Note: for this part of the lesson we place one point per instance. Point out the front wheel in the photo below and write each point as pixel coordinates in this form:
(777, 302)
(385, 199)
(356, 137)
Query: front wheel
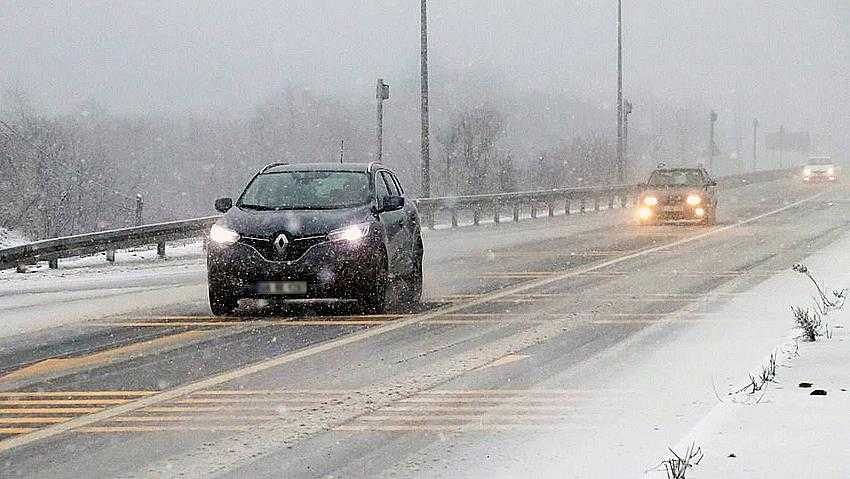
(222, 303)
(411, 296)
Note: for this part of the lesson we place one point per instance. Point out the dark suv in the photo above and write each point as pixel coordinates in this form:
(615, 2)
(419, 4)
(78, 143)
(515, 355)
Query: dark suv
(316, 232)
(678, 194)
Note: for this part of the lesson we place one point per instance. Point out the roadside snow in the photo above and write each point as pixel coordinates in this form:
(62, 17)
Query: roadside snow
(9, 238)
(789, 430)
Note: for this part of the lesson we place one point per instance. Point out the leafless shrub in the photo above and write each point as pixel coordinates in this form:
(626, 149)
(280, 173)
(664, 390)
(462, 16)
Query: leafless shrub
(810, 323)
(677, 466)
(760, 380)
(824, 303)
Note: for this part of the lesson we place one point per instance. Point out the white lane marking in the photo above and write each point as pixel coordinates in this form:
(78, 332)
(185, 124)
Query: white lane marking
(106, 414)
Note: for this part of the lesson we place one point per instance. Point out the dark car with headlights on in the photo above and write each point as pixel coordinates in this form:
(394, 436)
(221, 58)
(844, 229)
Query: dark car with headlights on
(680, 195)
(316, 232)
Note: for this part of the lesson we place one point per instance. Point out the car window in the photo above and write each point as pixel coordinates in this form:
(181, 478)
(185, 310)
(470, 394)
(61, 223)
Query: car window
(381, 190)
(397, 183)
(391, 185)
(676, 178)
(306, 190)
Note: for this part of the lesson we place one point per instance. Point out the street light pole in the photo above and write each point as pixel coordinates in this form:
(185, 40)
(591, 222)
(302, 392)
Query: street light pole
(711, 147)
(621, 167)
(382, 92)
(425, 159)
(755, 143)
(627, 110)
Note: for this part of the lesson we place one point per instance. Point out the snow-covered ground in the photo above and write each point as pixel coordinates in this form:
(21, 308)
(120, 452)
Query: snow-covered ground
(11, 238)
(789, 429)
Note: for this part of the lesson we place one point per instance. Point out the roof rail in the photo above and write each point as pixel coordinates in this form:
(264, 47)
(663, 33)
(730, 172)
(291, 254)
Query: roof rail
(270, 166)
(373, 165)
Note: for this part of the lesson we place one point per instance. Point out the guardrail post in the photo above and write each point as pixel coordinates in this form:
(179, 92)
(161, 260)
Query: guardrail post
(160, 249)
(110, 255)
(533, 210)
(611, 202)
(624, 200)
(582, 206)
(516, 213)
(551, 207)
(454, 217)
(595, 203)
(496, 213)
(53, 263)
(476, 215)
(567, 206)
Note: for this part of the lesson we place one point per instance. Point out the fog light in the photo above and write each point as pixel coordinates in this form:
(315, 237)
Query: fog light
(699, 212)
(644, 213)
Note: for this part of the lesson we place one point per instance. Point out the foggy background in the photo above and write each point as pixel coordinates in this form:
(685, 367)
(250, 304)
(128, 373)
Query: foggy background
(182, 101)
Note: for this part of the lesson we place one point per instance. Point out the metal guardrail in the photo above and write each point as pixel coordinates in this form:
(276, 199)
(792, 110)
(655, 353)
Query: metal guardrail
(431, 209)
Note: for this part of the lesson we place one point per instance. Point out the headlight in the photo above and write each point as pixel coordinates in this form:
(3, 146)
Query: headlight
(650, 201)
(350, 234)
(807, 171)
(830, 171)
(223, 235)
(694, 200)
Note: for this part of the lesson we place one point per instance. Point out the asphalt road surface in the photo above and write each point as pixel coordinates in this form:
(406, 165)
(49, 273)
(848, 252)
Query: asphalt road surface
(533, 355)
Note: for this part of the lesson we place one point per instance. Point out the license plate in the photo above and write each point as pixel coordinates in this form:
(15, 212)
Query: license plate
(673, 209)
(282, 287)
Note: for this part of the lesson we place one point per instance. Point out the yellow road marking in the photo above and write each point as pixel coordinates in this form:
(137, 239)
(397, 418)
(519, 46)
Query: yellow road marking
(195, 418)
(464, 417)
(289, 357)
(170, 409)
(59, 365)
(75, 393)
(32, 420)
(51, 410)
(510, 358)
(61, 402)
(277, 400)
(180, 428)
(16, 430)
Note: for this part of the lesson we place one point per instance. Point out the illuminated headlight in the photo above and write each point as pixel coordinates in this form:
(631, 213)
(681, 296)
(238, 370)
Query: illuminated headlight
(694, 200)
(807, 171)
(223, 235)
(650, 201)
(350, 234)
(644, 213)
(830, 171)
(699, 212)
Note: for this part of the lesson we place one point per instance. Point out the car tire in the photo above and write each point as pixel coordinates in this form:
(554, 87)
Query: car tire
(374, 301)
(411, 296)
(221, 302)
(711, 217)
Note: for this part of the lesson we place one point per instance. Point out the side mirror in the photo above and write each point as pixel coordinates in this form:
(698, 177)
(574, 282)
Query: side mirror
(393, 203)
(222, 205)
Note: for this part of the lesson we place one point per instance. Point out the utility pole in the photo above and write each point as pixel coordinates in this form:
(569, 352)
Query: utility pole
(425, 160)
(626, 112)
(621, 167)
(382, 93)
(755, 143)
(711, 145)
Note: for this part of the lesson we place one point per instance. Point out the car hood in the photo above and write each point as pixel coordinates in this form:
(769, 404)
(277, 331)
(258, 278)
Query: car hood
(295, 223)
(672, 190)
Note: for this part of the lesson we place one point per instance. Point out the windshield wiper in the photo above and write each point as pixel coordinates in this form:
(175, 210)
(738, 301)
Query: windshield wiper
(256, 207)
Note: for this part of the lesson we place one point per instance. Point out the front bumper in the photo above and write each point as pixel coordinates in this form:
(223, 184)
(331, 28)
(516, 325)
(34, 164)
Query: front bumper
(670, 213)
(332, 270)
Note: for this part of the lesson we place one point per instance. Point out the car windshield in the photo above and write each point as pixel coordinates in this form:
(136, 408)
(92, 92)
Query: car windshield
(297, 190)
(676, 178)
(820, 161)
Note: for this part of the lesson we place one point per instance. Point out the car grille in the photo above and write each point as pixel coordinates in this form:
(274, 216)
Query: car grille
(296, 248)
(673, 199)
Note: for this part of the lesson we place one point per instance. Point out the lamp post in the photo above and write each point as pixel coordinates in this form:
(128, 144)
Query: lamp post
(382, 92)
(621, 167)
(711, 145)
(425, 154)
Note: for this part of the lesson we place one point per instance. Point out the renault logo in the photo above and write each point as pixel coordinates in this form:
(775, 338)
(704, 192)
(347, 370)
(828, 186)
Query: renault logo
(280, 243)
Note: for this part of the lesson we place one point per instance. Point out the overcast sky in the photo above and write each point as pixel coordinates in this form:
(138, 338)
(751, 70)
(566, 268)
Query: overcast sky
(772, 58)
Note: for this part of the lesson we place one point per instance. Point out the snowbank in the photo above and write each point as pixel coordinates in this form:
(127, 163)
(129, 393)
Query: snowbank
(11, 238)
